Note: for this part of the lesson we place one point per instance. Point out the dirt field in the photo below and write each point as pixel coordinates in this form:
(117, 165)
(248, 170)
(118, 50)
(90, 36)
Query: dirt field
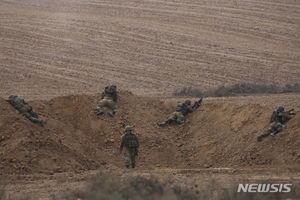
(54, 47)
(60, 54)
(218, 138)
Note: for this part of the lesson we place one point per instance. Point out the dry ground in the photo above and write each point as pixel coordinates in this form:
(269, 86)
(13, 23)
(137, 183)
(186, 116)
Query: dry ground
(57, 47)
(217, 143)
(50, 48)
(213, 180)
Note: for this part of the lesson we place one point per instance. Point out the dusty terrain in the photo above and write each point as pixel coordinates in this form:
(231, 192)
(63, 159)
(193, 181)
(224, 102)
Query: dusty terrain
(75, 139)
(60, 54)
(218, 138)
(58, 47)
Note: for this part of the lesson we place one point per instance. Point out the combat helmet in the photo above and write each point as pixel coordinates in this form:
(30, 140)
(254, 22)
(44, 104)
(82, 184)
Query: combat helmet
(112, 88)
(187, 102)
(128, 128)
(280, 109)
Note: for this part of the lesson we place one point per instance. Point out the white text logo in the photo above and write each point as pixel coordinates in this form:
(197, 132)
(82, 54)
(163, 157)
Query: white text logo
(264, 188)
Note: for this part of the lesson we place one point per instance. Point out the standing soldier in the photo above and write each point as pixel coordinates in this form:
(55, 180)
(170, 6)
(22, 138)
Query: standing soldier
(278, 119)
(108, 99)
(131, 143)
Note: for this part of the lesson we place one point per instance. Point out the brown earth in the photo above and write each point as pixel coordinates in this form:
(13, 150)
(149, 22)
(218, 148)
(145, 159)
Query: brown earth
(54, 47)
(217, 145)
(75, 139)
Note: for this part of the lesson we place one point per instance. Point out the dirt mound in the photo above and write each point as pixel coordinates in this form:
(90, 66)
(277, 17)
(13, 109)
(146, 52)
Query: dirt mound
(225, 135)
(29, 148)
(75, 139)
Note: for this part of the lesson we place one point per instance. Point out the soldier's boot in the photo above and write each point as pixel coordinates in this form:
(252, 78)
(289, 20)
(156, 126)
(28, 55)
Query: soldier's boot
(100, 112)
(162, 123)
(127, 162)
(133, 164)
(112, 113)
(40, 122)
(259, 138)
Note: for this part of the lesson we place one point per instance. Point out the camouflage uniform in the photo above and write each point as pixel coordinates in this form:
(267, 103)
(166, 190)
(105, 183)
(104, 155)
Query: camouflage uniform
(278, 118)
(24, 108)
(176, 116)
(181, 111)
(108, 99)
(131, 143)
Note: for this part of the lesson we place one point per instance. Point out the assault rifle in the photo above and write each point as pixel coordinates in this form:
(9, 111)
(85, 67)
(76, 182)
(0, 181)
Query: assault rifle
(291, 112)
(197, 104)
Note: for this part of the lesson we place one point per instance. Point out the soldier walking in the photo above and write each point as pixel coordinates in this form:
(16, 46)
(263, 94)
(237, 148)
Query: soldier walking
(130, 142)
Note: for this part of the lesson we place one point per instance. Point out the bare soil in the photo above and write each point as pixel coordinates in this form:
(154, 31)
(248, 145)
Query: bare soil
(217, 138)
(60, 54)
(53, 47)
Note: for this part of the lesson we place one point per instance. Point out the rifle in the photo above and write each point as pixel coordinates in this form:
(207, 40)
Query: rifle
(198, 103)
(291, 112)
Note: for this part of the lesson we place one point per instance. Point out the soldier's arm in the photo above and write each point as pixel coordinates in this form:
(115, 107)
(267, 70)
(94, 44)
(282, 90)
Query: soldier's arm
(102, 95)
(287, 115)
(137, 141)
(196, 105)
(115, 97)
(122, 143)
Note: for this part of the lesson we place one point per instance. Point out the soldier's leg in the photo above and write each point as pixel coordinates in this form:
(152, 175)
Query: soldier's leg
(171, 119)
(271, 131)
(259, 138)
(277, 127)
(127, 158)
(132, 157)
(40, 122)
(33, 114)
(179, 118)
(102, 103)
(34, 120)
(112, 106)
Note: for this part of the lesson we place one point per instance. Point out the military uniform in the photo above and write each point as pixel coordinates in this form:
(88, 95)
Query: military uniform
(278, 119)
(177, 116)
(131, 144)
(108, 99)
(24, 108)
(181, 111)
